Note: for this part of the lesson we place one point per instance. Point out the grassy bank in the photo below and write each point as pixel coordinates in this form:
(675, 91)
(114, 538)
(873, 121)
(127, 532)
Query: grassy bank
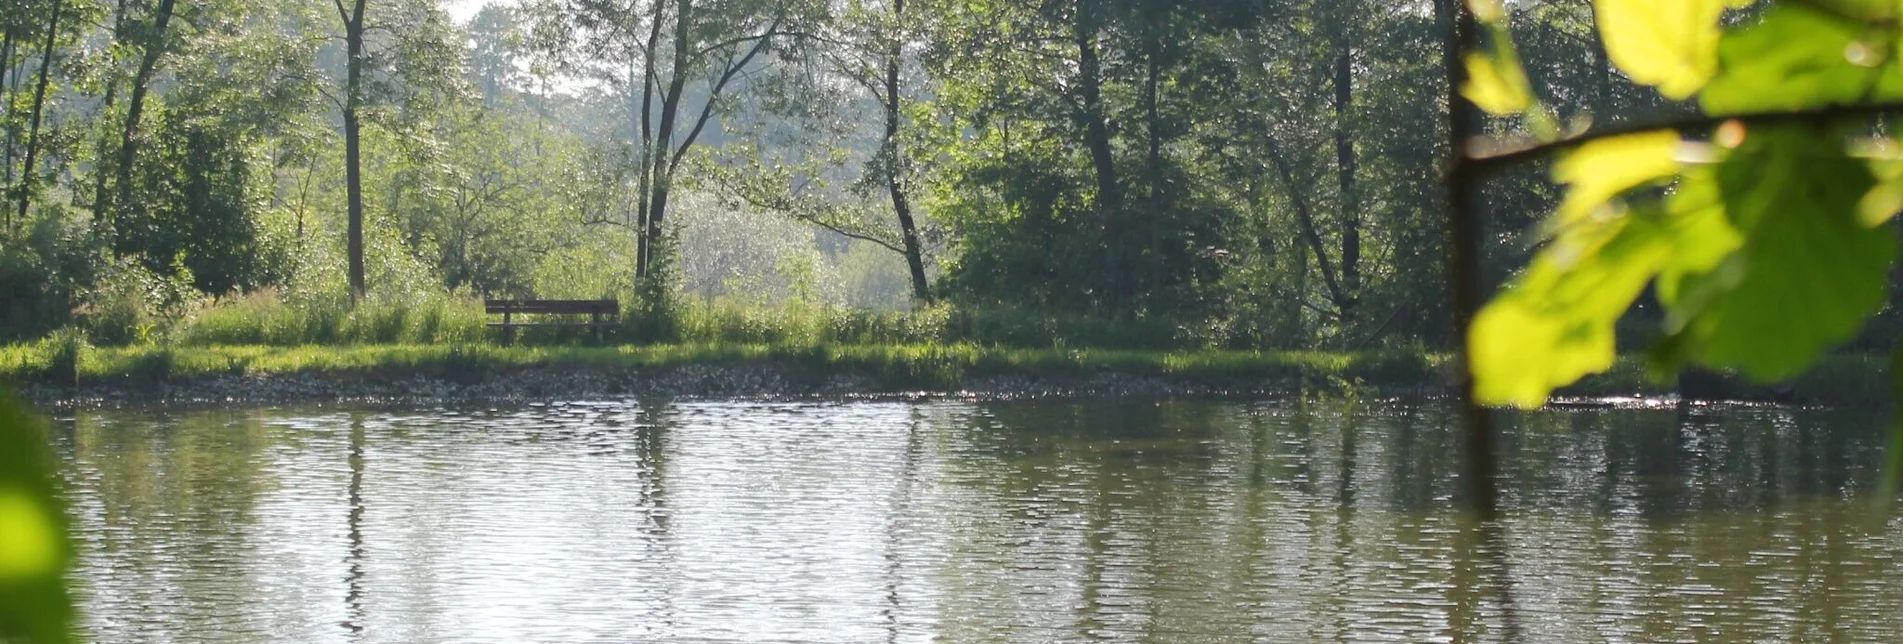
(1843, 379)
(886, 366)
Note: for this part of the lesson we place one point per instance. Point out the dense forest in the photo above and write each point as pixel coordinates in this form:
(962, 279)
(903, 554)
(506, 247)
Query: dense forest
(1247, 174)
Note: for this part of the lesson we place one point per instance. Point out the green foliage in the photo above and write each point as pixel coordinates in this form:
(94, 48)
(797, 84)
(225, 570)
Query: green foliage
(130, 304)
(34, 552)
(1800, 56)
(1808, 273)
(1768, 247)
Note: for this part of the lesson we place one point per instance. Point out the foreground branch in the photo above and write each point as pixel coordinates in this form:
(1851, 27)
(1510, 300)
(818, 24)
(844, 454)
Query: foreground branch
(1483, 153)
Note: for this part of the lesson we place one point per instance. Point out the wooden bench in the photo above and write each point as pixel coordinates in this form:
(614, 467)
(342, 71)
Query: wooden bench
(595, 309)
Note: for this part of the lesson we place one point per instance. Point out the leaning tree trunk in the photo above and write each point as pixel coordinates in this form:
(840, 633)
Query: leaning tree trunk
(39, 103)
(894, 171)
(135, 101)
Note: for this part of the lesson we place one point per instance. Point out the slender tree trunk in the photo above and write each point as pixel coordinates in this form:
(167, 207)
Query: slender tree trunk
(895, 173)
(1153, 54)
(39, 104)
(1097, 139)
(6, 97)
(102, 166)
(1345, 164)
(353, 170)
(135, 101)
(643, 192)
(663, 172)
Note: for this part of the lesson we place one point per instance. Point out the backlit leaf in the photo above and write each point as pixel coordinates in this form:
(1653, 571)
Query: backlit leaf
(1600, 170)
(1555, 323)
(1672, 44)
(1499, 88)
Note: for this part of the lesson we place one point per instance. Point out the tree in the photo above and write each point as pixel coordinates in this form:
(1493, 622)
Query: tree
(665, 56)
(352, 19)
(153, 46)
(29, 173)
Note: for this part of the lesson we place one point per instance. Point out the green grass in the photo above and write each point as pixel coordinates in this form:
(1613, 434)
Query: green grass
(264, 318)
(1838, 379)
(918, 365)
(446, 337)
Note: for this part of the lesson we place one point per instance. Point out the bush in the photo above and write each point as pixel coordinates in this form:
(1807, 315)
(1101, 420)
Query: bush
(131, 304)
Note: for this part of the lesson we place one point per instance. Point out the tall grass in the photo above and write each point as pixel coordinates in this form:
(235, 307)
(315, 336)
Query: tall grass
(729, 320)
(265, 319)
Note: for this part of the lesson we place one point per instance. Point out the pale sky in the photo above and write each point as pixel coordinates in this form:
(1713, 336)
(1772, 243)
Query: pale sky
(463, 10)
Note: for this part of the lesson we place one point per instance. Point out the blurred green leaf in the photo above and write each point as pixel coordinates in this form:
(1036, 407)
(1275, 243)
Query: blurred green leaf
(1807, 273)
(1886, 199)
(1600, 170)
(1499, 87)
(1798, 57)
(33, 549)
(1555, 323)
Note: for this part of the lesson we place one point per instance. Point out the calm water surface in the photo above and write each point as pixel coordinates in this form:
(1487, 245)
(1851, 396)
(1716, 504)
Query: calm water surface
(1272, 521)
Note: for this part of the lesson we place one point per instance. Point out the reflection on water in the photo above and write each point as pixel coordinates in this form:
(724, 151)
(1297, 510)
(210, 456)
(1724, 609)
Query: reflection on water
(1175, 521)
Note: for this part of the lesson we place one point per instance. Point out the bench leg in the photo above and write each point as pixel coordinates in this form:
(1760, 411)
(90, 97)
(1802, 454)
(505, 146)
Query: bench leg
(508, 330)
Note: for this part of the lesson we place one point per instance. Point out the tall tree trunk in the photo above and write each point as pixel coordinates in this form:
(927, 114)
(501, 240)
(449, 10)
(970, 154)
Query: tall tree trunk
(135, 102)
(1345, 164)
(663, 171)
(1463, 232)
(353, 170)
(895, 172)
(643, 194)
(1153, 54)
(6, 97)
(102, 154)
(1097, 139)
(27, 177)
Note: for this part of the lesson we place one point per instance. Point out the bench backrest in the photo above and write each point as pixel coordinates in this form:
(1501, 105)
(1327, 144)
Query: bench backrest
(610, 307)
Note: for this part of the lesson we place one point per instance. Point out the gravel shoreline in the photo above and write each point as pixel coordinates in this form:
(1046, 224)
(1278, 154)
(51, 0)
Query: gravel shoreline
(555, 383)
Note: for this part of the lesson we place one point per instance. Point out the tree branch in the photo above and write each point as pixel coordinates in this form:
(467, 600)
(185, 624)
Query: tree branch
(713, 97)
(1307, 220)
(1484, 153)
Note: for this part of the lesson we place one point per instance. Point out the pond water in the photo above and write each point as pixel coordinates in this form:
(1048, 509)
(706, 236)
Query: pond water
(1173, 521)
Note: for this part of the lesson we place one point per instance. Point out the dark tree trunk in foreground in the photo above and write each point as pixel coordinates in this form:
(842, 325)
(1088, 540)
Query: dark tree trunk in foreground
(1463, 232)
